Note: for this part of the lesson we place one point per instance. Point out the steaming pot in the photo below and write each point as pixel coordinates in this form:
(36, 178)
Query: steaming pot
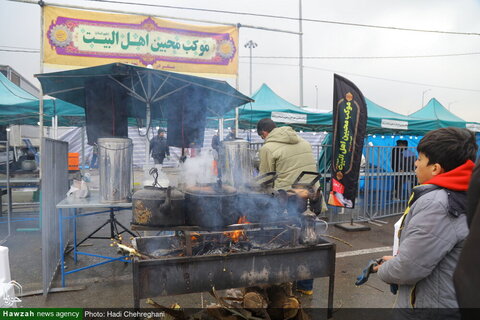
(210, 205)
(259, 202)
(158, 207)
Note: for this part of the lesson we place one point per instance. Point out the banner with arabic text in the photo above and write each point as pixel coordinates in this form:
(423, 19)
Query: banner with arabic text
(349, 127)
(88, 38)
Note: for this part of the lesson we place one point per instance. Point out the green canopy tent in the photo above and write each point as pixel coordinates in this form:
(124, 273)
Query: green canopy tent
(184, 101)
(438, 116)
(17, 106)
(268, 104)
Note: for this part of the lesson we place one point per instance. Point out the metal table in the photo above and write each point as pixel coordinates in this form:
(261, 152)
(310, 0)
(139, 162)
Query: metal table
(12, 184)
(92, 202)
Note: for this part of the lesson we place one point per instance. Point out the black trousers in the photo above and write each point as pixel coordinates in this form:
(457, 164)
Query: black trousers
(158, 159)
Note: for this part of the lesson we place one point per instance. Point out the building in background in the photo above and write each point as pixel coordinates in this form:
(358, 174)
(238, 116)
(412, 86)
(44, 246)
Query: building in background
(19, 80)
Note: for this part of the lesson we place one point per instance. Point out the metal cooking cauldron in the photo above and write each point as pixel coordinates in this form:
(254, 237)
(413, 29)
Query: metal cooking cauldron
(259, 202)
(210, 205)
(158, 207)
(155, 206)
(236, 162)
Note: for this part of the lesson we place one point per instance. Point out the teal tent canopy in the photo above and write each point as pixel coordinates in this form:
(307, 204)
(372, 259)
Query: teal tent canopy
(165, 93)
(268, 104)
(146, 95)
(438, 116)
(18, 106)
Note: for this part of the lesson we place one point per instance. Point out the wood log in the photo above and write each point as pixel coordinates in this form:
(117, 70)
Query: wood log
(282, 305)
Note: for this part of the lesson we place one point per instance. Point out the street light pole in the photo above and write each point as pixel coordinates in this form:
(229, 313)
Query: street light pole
(423, 96)
(300, 45)
(250, 45)
(316, 97)
(450, 103)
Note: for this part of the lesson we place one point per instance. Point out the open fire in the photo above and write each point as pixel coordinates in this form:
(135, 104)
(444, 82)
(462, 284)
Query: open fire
(238, 235)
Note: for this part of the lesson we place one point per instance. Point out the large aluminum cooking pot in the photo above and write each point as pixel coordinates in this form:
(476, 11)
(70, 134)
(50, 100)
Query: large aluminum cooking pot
(115, 169)
(158, 207)
(210, 205)
(236, 163)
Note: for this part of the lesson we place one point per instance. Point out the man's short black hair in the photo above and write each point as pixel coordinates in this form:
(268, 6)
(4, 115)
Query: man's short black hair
(266, 124)
(160, 130)
(402, 143)
(449, 147)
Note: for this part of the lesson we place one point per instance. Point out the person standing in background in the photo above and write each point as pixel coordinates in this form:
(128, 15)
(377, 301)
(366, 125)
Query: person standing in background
(232, 135)
(159, 148)
(93, 162)
(215, 150)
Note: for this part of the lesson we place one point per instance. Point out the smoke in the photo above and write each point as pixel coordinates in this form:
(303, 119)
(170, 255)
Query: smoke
(199, 169)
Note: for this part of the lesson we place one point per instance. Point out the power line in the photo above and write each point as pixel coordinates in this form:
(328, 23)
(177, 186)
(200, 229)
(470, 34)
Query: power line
(13, 47)
(371, 77)
(367, 57)
(16, 50)
(293, 18)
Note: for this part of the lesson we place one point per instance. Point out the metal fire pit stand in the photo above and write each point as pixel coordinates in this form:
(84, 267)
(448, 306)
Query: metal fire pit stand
(92, 202)
(167, 276)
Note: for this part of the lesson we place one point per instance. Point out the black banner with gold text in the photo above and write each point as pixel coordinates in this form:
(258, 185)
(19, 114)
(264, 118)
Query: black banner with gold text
(349, 127)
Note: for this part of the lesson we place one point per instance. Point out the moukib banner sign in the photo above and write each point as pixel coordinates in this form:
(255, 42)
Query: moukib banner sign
(349, 127)
(88, 38)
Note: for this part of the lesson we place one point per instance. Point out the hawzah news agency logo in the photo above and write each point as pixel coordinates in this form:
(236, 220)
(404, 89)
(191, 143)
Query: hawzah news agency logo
(9, 298)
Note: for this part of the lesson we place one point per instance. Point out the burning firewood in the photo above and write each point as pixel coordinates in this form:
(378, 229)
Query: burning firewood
(237, 235)
(128, 248)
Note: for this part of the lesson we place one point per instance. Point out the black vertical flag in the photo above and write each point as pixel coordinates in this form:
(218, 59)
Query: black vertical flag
(349, 127)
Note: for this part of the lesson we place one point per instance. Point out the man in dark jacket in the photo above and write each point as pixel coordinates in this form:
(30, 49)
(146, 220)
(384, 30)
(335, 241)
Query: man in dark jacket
(159, 148)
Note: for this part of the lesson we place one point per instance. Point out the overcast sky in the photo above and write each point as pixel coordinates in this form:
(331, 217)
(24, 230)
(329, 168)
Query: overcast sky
(398, 84)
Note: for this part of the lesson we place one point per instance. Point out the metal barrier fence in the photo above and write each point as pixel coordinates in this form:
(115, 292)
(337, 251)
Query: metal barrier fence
(54, 186)
(387, 176)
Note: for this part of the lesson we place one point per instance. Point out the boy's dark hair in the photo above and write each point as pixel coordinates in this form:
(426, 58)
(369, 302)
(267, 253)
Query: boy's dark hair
(449, 147)
(265, 124)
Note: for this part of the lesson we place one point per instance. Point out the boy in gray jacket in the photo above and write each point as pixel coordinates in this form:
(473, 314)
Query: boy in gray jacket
(433, 227)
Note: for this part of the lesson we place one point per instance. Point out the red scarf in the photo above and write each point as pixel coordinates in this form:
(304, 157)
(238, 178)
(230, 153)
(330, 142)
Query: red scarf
(457, 179)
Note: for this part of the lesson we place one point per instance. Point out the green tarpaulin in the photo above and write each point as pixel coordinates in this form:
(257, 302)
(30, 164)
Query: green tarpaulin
(381, 120)
(268, 104)
(17, 106)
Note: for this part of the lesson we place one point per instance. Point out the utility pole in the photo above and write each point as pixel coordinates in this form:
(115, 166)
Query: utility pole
(250, 45)
(423, 96)
(300, 62)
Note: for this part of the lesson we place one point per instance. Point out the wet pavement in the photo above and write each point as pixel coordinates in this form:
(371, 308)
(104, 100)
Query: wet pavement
(110, 285)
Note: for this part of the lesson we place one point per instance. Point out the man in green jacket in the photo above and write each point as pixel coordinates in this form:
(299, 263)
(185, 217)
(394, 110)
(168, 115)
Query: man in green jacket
(288, 154)
(284, 152)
